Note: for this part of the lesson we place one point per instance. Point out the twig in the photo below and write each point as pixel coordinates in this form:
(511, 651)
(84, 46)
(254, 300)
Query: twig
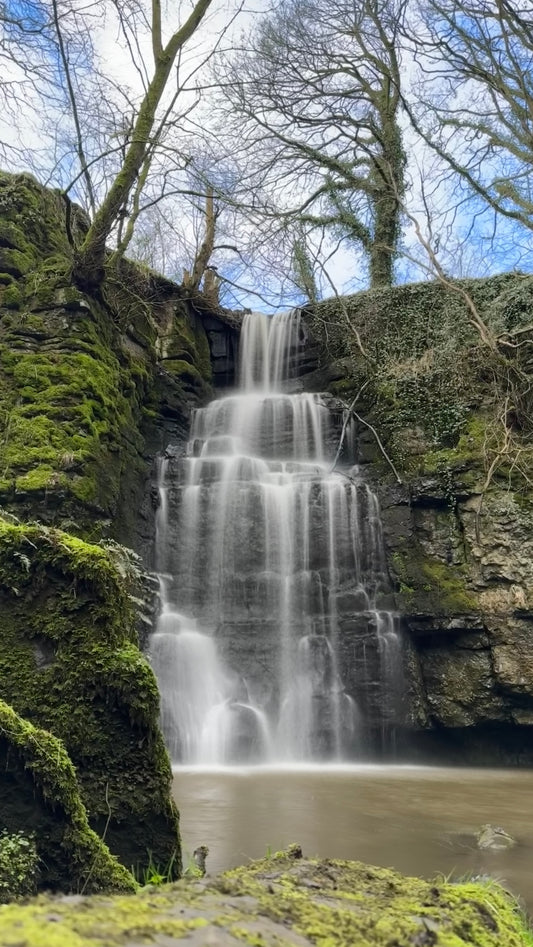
(347, 418)
(104, 833)
(380, 445)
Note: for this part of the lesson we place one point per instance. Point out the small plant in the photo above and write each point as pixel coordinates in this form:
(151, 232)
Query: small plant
(18, 866)
(155, 874)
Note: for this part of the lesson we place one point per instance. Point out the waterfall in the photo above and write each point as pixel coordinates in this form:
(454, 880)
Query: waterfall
(270, 645)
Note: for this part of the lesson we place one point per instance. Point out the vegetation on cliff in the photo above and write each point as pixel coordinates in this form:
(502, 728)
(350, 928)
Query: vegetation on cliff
(80, 375)
(439, 377)
(79, 372)
(420, 370)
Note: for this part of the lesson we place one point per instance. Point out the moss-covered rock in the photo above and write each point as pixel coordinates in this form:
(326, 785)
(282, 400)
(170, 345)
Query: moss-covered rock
(77, 372)
(69, 663)
(83, 379)
(281, 901)
(39, 784)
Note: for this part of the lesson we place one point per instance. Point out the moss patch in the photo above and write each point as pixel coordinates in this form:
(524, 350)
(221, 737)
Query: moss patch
(68, 410)
(428, 585)
(282, 901)
(369, 906)
(37, 768)
(69, 662)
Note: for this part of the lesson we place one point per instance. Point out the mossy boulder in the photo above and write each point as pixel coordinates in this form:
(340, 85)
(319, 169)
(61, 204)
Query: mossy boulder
(281, 902)
(70, 663)
(41, 792)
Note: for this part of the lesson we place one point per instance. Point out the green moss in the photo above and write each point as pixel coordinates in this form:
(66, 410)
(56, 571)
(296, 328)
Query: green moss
(33, 216)
(69, 662)
(67, 417)
(76, 371)
(11, 297)
(327, 903)
(429, 585)
(85, 860)
(447, 585)
(474, 444)
(15, 262)
(186, 349)
(42, 477)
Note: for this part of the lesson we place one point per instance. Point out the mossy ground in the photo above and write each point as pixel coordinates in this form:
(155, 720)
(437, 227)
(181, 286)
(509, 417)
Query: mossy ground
(281, 901)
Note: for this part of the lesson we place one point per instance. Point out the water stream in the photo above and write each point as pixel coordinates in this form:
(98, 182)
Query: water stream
(271, 644)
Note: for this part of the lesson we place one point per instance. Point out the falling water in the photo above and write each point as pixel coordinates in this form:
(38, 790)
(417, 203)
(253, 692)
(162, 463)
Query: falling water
(270, 645)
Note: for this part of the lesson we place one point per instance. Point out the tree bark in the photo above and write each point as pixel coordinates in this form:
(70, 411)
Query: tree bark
(90, 258)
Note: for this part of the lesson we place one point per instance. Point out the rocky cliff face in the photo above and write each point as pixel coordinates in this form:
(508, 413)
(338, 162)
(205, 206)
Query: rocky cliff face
(449, 450)
(90, 388)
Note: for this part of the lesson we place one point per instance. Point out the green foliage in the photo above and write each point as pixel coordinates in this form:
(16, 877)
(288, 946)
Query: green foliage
(155, 873)
(430, 377)
(19, 863)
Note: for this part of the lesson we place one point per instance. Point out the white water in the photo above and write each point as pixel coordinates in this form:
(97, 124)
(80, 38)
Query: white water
(270, 645)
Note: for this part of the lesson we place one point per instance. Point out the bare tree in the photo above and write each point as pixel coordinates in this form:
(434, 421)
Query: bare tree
(476, 99)
(313, 98)
(91, 255)
(104, 143)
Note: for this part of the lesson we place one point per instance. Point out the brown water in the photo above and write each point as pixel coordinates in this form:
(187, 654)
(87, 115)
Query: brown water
(418, 820)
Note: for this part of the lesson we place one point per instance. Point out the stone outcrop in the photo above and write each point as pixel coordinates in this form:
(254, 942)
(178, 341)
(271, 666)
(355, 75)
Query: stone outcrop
(450, 452)
(282, 901)
(40, 790)
(70, 664)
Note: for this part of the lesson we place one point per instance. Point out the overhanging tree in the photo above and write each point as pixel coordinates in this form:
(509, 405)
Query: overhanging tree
(105, 142)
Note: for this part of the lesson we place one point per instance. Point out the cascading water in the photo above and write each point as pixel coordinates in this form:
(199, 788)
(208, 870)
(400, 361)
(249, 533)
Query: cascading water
(269, 646)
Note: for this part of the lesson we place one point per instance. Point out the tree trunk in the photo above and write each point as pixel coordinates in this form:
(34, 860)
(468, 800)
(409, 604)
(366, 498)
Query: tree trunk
(388, 188)
(90, 258)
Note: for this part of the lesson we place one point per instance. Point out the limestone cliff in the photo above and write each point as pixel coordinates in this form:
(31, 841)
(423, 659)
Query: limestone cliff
(445, 433)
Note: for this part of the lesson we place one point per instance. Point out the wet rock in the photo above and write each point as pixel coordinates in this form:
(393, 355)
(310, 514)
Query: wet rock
(495, 838)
